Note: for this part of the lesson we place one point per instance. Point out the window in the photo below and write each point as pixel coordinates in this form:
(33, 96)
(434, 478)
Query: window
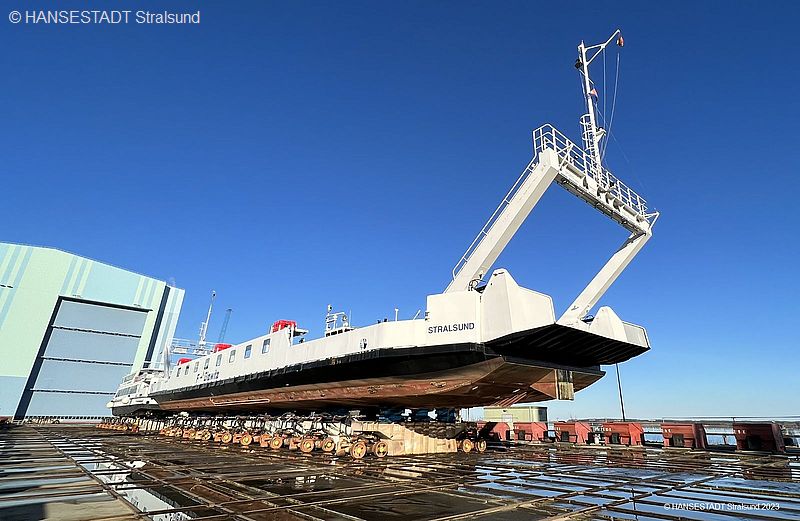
(232, 356)
(219, 360)
(196, 367)
(205, 366)
(248, 350)
(265, 346)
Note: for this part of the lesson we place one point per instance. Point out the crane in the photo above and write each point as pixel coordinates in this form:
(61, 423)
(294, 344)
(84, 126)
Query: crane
(224, 328)
(580, 171)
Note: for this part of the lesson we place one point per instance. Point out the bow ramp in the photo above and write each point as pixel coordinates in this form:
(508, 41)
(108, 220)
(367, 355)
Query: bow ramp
(557, 160)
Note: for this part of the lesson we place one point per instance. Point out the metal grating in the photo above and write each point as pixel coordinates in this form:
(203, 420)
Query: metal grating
(176, 479)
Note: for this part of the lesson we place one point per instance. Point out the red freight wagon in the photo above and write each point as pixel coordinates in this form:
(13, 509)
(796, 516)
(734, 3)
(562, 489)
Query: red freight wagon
(691, 435)
(575, 432)
(623, 433)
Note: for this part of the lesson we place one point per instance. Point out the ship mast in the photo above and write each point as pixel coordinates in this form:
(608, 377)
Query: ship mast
(592, 134)
(204, 325)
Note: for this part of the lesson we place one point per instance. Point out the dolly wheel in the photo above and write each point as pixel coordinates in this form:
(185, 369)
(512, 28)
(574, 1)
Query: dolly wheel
(206, 435)
(380, 449)
(480, 445)
(276, 443)
(343, 447)
(307, 445)
(358, 450)
(327, 445)
(178, 433)
(226, 437)
(467, 446)
(247, 439)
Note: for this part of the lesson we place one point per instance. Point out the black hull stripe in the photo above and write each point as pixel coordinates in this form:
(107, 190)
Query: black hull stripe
(376, 363)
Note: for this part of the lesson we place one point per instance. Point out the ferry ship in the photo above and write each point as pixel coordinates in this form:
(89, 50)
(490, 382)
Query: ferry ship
(484, 340)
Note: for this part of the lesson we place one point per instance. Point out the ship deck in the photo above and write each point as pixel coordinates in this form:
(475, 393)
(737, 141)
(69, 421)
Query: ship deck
(65, 473)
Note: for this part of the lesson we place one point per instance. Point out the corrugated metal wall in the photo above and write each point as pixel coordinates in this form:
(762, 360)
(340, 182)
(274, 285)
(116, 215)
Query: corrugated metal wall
(33, 280)
(89, 348)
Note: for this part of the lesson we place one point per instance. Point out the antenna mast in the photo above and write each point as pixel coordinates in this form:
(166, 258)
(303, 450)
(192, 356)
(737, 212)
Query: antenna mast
(204, 325)
(592, 134)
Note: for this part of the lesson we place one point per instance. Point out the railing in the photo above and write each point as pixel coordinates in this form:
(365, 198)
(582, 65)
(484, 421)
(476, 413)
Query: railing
(547, 136)
(510, 195)
(181, 346)
(568, 152)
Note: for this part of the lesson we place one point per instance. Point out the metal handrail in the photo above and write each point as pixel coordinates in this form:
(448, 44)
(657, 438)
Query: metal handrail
(548, 136)
(190, 347)
(499, 210)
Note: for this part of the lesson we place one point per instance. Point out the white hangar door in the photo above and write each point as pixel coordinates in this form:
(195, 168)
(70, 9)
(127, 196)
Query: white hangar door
(87, 350)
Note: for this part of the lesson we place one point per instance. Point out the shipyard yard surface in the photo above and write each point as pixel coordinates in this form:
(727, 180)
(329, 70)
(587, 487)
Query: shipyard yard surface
(83, 473)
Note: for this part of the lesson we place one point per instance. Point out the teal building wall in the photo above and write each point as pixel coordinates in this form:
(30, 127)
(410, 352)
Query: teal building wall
(105, 321)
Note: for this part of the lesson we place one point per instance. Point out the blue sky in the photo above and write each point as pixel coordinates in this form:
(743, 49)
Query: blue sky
(292, 155)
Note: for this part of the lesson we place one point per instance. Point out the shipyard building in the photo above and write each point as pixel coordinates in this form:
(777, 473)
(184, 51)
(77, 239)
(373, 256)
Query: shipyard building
(72, 327)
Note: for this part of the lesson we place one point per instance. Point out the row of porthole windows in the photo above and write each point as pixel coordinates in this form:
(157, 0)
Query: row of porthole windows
(248, 350)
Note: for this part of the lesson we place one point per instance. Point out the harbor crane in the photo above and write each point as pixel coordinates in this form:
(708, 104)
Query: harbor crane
(224, 328)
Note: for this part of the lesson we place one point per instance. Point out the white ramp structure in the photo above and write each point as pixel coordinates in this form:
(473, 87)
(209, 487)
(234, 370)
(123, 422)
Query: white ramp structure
(579, 170)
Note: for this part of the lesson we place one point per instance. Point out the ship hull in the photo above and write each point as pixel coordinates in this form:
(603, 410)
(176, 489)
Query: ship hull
(502, 372)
